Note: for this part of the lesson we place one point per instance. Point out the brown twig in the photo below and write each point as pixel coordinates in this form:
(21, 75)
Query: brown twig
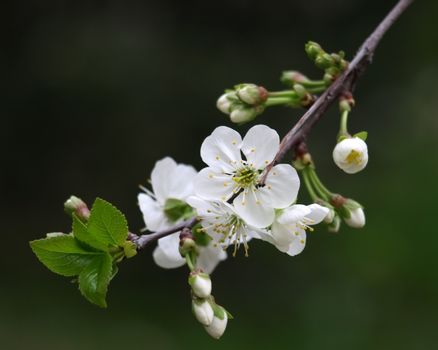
(345, 82)
(143, 240)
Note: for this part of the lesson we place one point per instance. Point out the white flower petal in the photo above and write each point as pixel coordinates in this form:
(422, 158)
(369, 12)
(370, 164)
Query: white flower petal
(170, 247)
(181, 181)
(165, 261)
(260, 146)
(253, 211)
(293, 214)
(209, 257)
(298, 244)
(160, 178)
(211, 185)
(281, 187)
(317, 214)
(153, 214)
(221, 149)
(282, 236)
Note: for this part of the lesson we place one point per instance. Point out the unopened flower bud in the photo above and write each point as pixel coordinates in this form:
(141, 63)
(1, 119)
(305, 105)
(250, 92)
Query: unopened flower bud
(335, 225)
(200, 283)
(292, 77)
(330, 216)
(300, 90)
(203, 311)
(243, 114)
(77, 206)
(217, 327)
(225, 101)
(351, 155)
(324, 61)
(313, 50)
(356, 219)
(186, 245)
(252, 94)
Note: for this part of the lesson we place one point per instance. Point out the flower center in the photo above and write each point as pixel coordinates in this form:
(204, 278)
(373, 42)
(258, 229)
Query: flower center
(354, 157)
(245, 177)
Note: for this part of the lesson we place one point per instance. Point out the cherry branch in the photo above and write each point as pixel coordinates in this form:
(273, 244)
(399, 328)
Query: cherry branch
(143, 240)
(346, 82)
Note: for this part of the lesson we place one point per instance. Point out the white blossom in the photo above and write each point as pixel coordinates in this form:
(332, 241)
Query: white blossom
(288, 232)
(221, 222)
(351, 155)
(229, 175)
(172, 181)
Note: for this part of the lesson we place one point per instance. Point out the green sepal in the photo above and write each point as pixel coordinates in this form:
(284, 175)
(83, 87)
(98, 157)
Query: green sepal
(176, 209)
(344, 212)
(107, 224)
(363, 135)
(63, 255)
(80, 231)
(351, 204)
(201, 237)
(218, 310)
(95, 277)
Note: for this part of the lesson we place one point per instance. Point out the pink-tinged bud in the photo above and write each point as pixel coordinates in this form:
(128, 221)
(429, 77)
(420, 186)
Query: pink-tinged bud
(77, 206)
(252, 94)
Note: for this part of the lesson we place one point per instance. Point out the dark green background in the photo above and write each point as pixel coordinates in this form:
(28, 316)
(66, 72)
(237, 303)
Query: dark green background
(94, 92)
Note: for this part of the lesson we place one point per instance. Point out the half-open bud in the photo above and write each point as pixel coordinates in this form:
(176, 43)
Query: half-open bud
(203, 311)
(351, 155)
(200, 283)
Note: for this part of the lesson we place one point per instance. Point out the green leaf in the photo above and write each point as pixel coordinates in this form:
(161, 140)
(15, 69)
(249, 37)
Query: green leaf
(95, 277)
(107, 224)
(80, 231)
(62, 255)
(362, 135)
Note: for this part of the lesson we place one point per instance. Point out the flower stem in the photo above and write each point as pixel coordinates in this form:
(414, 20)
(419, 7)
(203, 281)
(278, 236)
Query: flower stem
(308, 184)
(190, 262)
(275, 101)
(321, 189)
(343, 129)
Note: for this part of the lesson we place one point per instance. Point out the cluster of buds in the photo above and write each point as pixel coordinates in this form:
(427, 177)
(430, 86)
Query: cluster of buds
(333, 64)
(212, 316)
(340, 208)
(244, 103)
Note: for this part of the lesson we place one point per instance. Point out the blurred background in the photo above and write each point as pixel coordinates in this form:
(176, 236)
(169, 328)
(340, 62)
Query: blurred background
(94, 92)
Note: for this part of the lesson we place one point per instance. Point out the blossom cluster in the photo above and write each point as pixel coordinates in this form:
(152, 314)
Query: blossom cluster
(229, 198)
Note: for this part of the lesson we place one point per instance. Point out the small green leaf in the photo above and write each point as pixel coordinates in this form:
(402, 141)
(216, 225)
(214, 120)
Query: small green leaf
(80, 231)
(363, 135)
(107, 224)
(62, 255)
(201, 237)
(95, 277)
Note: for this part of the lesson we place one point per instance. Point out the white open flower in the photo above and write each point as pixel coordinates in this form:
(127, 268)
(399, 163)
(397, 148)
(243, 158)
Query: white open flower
(288, 232)
(229, 175)
(171, 184)
(221, 222)
(351, 155)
